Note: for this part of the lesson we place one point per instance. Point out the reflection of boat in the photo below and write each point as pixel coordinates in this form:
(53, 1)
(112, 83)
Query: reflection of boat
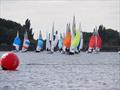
(95, 42)
(26, 43)
(39, 43)
(17, 42)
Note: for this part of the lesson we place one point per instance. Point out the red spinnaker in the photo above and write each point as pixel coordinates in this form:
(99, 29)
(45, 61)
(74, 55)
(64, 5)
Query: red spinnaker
(95, 41)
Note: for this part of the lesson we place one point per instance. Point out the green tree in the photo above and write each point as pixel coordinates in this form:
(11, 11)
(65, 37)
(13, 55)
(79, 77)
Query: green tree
(27, 28)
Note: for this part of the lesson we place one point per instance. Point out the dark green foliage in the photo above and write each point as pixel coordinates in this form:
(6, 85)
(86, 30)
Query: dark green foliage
(27, 28)
(86, 37)
(109, 37)
(8, 30)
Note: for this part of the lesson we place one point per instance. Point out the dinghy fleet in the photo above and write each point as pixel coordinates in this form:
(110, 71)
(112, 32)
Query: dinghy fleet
(69, 43)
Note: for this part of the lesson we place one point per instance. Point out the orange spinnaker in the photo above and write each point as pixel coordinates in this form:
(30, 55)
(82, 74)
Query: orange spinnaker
(67, 40)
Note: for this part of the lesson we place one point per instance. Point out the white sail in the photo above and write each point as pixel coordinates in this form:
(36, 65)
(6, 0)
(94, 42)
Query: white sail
(26, 43)
(47, 41)
(52, 39)
(73, 31)
(74, 27)
(81, 38)
(36, 35)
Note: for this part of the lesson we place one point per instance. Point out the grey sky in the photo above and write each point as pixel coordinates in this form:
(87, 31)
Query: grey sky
(43, 13)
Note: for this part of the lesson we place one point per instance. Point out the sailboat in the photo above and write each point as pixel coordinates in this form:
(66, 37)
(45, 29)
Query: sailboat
(39, 43)
(95, 42)
(26, 43)
(67, 39)
(17, 42)
(80, 46)
(48, 42)
(75, 38)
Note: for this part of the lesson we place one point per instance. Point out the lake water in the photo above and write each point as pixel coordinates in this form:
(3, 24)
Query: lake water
(43, 71)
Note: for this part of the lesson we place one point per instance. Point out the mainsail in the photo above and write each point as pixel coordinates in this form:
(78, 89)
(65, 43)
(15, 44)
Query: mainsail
(39, 43)
(17, 42)
(47, 41)
(26, 42)
(74, 27)
(52, 39)
(56, 40)
(80, 46)
(75, 38)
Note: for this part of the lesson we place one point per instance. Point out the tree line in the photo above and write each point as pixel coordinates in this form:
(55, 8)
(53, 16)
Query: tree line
(8, 30)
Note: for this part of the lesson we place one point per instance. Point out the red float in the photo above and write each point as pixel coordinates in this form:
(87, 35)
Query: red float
(9, 61)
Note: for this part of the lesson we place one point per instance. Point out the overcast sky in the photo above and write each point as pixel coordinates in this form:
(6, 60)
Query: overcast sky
(43, 13)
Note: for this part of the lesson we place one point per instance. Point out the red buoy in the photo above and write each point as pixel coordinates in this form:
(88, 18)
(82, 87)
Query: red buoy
(9, 61)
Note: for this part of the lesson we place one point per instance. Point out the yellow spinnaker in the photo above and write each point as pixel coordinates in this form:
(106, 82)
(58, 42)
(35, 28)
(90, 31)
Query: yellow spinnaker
(76, 39)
